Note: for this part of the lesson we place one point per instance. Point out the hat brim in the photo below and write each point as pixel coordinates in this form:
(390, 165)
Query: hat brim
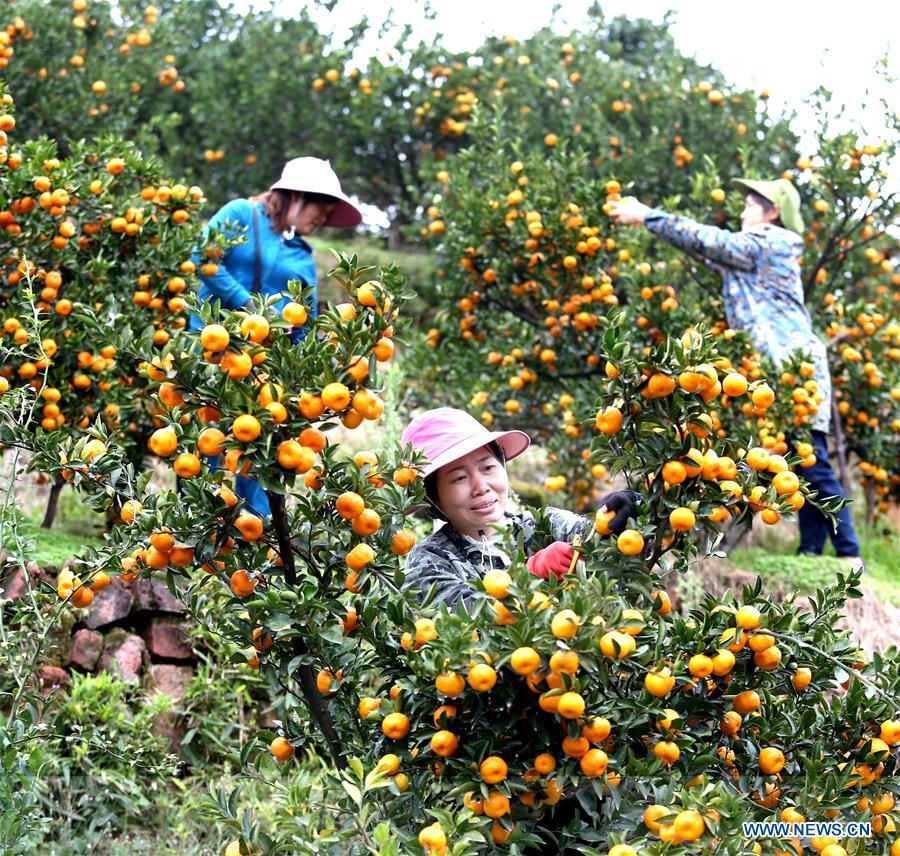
(345, 215)
(513, 444)
(748, 185)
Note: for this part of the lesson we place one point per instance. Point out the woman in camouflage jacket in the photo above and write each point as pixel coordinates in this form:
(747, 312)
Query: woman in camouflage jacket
(467, 487)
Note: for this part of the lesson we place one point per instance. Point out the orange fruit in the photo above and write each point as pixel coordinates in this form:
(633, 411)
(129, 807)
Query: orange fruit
(210, 442)
(593, 763)
(757, 458)
(444, 743)
(446, 712)
(630, 542)
(576, 747)
(311, 406)
(336, 396)
(746, 702)
(682, 519)
(388, 764)
(597, 729)
(496, 583)
(616, 645)
(282, 749)
(602, 520)
(131, 508)
(482, 677)
(731, 722)
(367, 522)
(771, 760)
(402, 541)
(493, 770)
(688, 825)
(659, 683)
(570, 705)
(609, 420)
(496, 805)
(450, 684)
(214, 337)
(565, 662)
(236, 366)
(723, 662)
(476, 806)
(747, 617)
(760, 641)
(295, 314)
(249, 525)
(255, 328)
(349, 505)
(525, 661)
(734, 384)
(187, 465)
(659, 385)
(667, 751)
(652, 815)
(163, 441)
(359, 557)
(383, 349)
(565, 624)
(242, 584)
(395, 726)
(545, 763)
(763, 396)
(290, 454)
(674, 472)
(313, 439)
(665, 602)
(786, 483)
(246, 428)
(801, 678)
(769, 659)
(700, 666)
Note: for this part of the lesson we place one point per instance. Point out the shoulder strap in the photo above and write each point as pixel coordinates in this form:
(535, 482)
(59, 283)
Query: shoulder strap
(257, 264)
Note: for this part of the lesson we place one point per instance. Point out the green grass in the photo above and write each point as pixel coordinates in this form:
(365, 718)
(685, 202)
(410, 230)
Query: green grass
(76, 526)
(775, 560)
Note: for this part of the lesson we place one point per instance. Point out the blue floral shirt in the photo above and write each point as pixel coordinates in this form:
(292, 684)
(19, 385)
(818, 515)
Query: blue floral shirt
(763, 292)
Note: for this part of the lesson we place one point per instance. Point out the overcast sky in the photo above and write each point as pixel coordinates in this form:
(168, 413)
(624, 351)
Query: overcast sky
(786, 46)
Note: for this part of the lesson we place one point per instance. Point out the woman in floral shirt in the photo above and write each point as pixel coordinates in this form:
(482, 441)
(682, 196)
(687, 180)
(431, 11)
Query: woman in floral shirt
(763, 295)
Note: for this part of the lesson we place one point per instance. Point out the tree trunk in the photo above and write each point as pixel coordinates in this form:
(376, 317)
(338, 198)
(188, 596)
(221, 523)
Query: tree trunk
(307, 676)
(53, 502)
(841, 447)
(733, 537)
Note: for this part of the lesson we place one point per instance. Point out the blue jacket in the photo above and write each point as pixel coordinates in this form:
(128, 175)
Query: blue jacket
(760, 271)
(282, 260)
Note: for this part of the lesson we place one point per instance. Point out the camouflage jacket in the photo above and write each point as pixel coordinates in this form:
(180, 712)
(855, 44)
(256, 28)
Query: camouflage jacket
(448, 562)
(761, 286)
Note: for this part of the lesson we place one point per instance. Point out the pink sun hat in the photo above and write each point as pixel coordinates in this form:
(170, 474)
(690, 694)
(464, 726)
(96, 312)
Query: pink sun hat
(314, 175)
(446, 434)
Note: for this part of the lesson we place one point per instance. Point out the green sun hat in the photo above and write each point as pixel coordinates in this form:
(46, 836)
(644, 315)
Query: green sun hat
(780, 192)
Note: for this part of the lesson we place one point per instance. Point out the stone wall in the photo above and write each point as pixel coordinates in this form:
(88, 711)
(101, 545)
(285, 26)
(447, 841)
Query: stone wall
(136, 630)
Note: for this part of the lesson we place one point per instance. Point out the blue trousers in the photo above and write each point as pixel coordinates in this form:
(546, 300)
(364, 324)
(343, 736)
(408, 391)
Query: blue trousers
(815, 528)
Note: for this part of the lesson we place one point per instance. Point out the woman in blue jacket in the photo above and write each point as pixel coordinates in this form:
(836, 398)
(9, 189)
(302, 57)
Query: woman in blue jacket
(308, 195)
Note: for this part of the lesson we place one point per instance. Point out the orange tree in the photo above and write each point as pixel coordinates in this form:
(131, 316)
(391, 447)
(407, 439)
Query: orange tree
(528, 263)
(581, 713)
(866, 368)
(101, 233)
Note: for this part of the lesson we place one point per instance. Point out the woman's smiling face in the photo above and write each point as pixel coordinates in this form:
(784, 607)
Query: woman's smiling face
(472, 492)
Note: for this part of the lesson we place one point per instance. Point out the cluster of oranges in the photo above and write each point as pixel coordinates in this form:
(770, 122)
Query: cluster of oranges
(719, 695)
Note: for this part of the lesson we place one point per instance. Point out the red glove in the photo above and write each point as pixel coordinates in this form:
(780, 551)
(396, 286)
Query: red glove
(555, 559)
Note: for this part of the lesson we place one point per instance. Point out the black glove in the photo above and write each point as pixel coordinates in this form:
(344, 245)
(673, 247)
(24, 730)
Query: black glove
(623, 502)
